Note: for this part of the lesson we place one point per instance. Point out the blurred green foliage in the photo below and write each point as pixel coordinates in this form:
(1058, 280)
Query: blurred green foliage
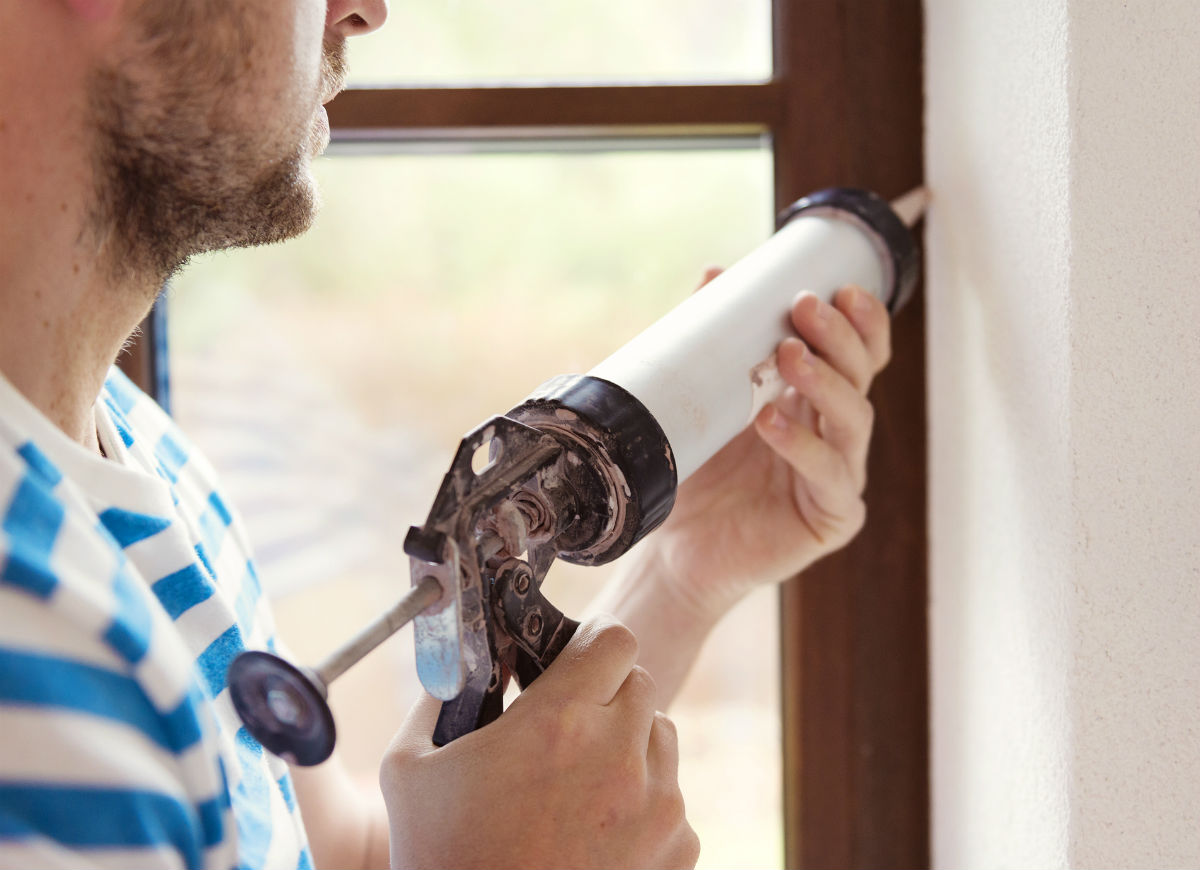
(424, 271)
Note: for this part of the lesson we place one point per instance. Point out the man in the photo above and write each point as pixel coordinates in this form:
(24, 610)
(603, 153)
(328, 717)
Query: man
(134, 134)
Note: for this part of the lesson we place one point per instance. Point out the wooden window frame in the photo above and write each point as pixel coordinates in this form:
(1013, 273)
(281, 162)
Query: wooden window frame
(842, 107)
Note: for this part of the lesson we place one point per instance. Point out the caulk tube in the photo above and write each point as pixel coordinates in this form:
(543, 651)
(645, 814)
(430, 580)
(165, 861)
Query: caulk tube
(656, 410)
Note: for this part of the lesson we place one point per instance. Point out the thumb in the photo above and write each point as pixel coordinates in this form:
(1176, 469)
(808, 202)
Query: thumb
(415, 736)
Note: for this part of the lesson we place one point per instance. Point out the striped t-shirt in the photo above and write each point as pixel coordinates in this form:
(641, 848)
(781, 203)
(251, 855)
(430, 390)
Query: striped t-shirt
(126, 588)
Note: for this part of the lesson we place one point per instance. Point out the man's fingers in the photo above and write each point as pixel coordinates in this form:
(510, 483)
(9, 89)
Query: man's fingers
(827, 478)
(594, 665)
(662, 751)
(681, 847)
(870, 317)
(846, 415)
(827, 331)
(415, 736)
(635, 703)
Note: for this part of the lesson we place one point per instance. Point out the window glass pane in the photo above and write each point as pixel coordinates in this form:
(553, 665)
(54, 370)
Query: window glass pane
(585, 40)
(330, 379)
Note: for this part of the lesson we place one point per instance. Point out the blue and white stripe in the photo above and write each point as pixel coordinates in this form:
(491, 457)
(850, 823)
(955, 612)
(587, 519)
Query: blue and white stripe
(122, 602)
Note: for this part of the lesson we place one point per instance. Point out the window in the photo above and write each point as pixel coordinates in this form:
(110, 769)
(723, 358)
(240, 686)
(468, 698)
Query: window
(332, 391)
(841, 106)
(476, 41)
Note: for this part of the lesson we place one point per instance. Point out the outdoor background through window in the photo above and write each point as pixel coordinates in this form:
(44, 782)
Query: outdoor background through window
(473, 41)
(330, 379)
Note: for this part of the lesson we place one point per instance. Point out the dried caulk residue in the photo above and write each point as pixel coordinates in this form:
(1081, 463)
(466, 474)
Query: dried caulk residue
(766, 385)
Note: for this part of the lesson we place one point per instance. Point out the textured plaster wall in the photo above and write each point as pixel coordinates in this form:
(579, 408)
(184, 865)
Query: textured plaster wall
(1063, 148)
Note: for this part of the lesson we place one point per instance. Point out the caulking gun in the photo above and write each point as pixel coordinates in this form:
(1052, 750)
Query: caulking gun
(582, 470)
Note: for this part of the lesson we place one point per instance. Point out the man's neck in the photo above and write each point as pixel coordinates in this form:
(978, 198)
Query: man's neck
(57, 343)
(67, 311)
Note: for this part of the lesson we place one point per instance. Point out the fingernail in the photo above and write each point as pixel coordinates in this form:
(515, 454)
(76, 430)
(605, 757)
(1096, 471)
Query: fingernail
(799, 297)
(822, 318)
(777, 420)
(861, 301)
(804, 365)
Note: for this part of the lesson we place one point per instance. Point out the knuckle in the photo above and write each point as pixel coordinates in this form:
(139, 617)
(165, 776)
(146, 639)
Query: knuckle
(615, 638)
(664, 740)
(841, 527)
(664, 728)
(672, 809)
(664, 802)
(393, 761)
(868, 415)
(858, 516)
(883, 353)
(400, 764)
(642, 685)
(401, 752)
(685, 842)
(691, 847)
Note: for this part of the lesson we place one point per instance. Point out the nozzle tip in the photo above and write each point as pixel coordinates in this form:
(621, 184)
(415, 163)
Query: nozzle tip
(911, 207)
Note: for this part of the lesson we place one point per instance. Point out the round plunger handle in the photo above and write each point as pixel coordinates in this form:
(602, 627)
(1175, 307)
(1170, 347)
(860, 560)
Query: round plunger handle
(285, 707)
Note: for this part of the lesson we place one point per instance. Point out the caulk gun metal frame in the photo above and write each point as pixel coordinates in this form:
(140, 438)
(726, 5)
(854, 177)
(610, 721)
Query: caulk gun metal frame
(585, 468)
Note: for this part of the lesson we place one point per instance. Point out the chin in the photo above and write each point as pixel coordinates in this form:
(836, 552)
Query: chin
(281, 205)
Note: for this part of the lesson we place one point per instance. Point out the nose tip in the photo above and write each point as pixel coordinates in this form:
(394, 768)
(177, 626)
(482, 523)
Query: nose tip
(355, 17)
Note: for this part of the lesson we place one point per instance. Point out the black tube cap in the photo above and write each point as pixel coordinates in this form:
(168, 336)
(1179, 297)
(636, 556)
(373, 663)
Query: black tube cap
(621, 431)
(876, 213)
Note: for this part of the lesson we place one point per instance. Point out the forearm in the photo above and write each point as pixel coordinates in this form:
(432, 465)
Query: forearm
(378, 849)
(670, 625)
(347, 825)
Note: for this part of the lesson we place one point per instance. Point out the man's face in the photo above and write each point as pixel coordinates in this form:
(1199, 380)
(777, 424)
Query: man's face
(206, 121)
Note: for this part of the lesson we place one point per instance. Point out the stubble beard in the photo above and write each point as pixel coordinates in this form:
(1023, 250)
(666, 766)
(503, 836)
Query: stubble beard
(169, 184)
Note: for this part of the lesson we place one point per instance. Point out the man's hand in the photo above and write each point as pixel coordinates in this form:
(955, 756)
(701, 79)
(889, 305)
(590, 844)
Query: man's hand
(579, 772)
(788, 490)
(784, 493)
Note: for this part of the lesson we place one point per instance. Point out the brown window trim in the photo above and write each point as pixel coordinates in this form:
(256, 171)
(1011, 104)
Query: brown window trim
(547, 112)
(844, 106)
(855, 669)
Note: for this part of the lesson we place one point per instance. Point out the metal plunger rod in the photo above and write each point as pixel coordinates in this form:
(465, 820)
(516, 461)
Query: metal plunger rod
(342, 659)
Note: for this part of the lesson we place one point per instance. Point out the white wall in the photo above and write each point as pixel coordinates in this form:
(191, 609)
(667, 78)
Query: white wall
(1063, 149)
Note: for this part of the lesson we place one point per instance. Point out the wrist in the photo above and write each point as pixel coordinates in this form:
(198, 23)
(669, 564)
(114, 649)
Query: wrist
(657, 587)
(702, 590)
